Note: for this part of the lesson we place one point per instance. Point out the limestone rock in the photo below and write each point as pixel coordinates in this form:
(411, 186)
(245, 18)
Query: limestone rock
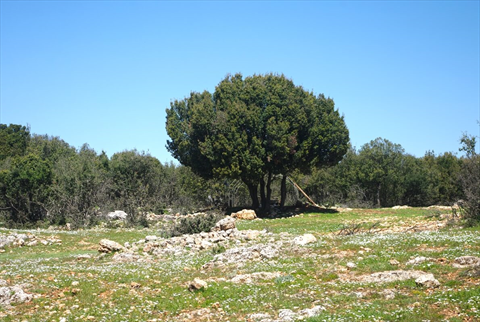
(401, 207)
(427, 280)
(197, 284)
(150, 238)
(259, 317)
(108, 246)
(417, 260)
(117, 215)
(287, 315)
(252, 234)
(308, 313)
(390, 276)
(83, 256)
(125, 257)
(245, 214)
(394, 262)
(351, 265)
(240, 255)
(13, 294)
(304, 240)
(466, 261)
(250, 278)
(224, 224)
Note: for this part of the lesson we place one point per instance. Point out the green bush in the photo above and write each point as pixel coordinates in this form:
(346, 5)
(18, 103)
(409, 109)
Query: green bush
(195, 224)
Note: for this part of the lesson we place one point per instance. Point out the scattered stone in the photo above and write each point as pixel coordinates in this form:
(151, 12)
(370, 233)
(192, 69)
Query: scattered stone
(32, 243)
(252, 234)
(150, 238)
(30, 240)
(427, 280)
(351, 265)
(251, 278)
(401, 207)
(389, 294)
(197, 284)
(225, 224)
(13, 294)
(240, 255)
(473, 271)
(117, 215)
(394, 262)
(388, 276)
(308, 313)
(108, 246)
(287, 315)
(205, 244)
(259, 316)
(75, 283)
(417, 260)
(125, 257)
(202, 315)
(83, 256)
(466, 261)
(245, 214)
(304, 240)
(153, 217)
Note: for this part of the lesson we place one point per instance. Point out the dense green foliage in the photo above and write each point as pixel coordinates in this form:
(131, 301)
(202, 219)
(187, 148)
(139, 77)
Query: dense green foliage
(380, 174)
(470, 180)
(253, 129)
(44, 180)
(13, 140)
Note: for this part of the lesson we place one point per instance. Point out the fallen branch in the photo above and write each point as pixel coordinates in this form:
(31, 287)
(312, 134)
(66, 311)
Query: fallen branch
(303, 193)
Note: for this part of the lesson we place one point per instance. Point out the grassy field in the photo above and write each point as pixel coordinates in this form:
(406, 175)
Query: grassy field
(324, 273)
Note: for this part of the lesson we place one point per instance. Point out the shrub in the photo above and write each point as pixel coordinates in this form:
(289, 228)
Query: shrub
(195, 224)
(470, 179)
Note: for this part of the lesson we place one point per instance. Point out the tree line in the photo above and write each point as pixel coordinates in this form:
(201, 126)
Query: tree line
(44, 179)
(381, 174)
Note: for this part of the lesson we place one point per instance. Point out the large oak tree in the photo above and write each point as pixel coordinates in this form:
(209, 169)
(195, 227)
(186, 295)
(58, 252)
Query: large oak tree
(254, 128)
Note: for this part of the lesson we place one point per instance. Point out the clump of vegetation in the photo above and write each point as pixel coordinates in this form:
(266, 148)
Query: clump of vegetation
(218, 249)
(194, 224)
(355, 228)
(470, 180)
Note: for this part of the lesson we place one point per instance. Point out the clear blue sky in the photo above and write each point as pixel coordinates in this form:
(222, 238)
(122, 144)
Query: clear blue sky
(103, 72)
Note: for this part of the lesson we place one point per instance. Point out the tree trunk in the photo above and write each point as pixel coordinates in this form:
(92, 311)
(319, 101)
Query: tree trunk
(266, 208)
(253, 191)
(262, 193)
(283, 190)
(378, 195)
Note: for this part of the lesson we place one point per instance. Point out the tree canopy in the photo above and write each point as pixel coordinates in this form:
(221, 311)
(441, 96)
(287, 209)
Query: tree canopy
(254, 128)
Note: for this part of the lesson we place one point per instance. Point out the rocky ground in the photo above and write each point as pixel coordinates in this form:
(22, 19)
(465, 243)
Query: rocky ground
(381, 265)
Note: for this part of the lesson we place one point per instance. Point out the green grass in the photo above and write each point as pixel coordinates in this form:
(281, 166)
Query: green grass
(101, 290)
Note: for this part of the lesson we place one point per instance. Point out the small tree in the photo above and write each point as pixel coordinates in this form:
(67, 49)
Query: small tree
(470, 179)
(380, 170)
